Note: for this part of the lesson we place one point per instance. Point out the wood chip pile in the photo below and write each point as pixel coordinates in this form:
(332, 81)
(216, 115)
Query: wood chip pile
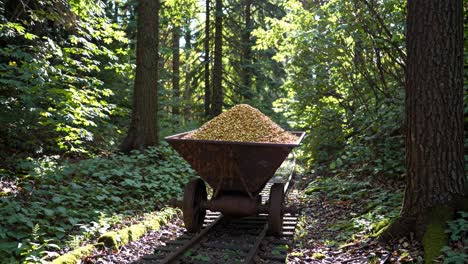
(243, 123)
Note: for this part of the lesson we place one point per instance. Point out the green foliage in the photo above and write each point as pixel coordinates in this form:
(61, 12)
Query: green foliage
(202, 258)
(457, 250)
(339, 188)
(459, 227)
(52, 92)
(199, 257)
(344, 61)
(318, 255)
(380, 206)
(61, 200)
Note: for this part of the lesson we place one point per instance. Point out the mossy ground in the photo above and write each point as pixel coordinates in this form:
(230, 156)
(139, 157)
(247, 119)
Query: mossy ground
(116, 239)
(380, 227)
(74, 256)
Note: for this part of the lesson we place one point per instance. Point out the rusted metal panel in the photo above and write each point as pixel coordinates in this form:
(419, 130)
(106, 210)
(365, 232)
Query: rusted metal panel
(233, 166)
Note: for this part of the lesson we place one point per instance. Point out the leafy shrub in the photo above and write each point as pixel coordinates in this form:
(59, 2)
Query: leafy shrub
(353, 119)
(458, 230)
(55, 200)
(53, 96)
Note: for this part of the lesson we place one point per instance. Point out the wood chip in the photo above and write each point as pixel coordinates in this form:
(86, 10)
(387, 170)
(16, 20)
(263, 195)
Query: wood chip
(243, 123)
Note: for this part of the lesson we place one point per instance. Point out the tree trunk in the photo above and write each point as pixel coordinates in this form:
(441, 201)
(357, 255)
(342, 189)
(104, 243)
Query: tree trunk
(246, 72)
(217, 105)
(207, 60)
(115, 15)
(188, 74)
(143, 131)
(434, 113)
(434, 105)
(175, 70)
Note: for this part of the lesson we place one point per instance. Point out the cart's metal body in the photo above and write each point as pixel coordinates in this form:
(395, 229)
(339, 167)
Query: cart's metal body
(237, 172)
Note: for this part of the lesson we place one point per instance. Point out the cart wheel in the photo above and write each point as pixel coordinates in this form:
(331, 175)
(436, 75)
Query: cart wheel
(275, 210)
(194, 197)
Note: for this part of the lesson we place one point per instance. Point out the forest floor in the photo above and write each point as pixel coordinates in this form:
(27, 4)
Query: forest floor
(340, 220)
(338, 223)
(138, 248)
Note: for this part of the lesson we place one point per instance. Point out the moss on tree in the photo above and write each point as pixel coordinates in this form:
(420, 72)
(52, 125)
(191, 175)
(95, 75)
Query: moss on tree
(435, 237)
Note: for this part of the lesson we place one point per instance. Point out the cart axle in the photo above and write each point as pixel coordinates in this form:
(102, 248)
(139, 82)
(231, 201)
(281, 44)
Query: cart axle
(234, 204)
(229, 206)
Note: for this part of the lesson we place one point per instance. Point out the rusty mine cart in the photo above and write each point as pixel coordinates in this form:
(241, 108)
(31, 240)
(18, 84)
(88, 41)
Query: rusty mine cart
(237, 172)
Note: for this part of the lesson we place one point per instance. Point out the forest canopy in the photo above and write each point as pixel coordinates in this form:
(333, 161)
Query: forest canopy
(333, 69)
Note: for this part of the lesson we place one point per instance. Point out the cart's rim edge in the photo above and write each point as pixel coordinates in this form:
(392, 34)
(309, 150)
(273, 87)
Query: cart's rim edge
(178, 137)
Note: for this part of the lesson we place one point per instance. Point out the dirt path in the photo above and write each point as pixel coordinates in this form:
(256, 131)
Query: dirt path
(325, 233)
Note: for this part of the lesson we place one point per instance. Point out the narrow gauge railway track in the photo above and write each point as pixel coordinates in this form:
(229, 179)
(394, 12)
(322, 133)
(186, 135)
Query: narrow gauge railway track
(225, 240)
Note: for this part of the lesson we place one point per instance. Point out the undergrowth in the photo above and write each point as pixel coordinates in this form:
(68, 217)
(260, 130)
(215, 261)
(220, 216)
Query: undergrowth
(457, 250)
(377, 206)
(61, 204)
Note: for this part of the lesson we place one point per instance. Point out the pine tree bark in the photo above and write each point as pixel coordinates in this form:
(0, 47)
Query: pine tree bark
(434, 112)
(217, 105)
(188, 75)
(175, 70)
(143, 131)
(246, 72)
(207, 60)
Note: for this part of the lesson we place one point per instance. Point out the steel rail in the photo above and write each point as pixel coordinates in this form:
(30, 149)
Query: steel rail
(176, 254)
(253, 251)
(179, 252)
